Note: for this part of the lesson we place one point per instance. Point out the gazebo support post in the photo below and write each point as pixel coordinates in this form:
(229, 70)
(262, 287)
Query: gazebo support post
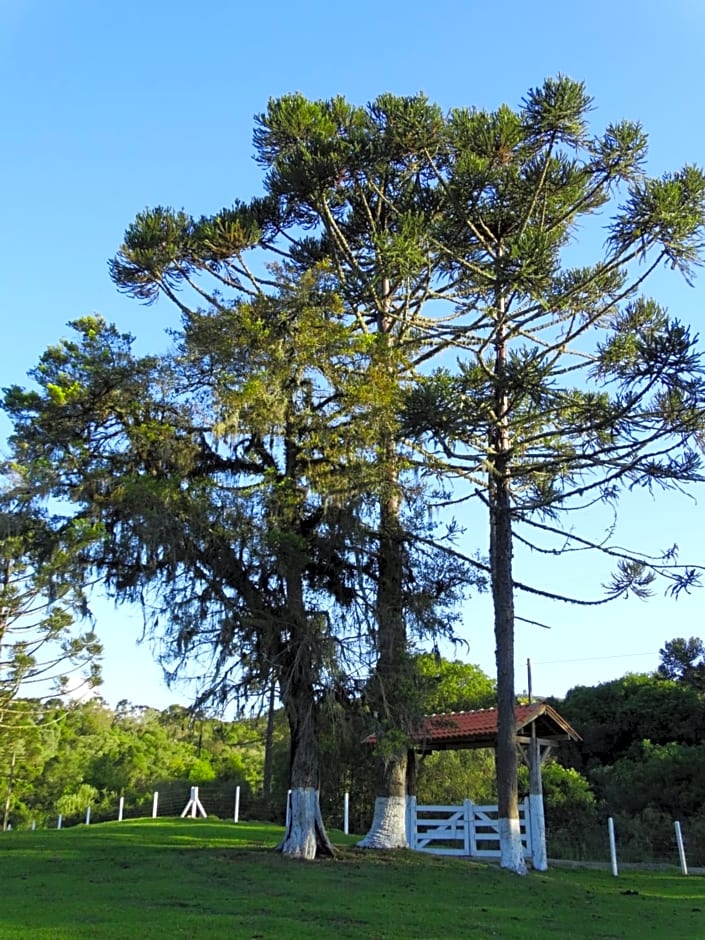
(537, 822)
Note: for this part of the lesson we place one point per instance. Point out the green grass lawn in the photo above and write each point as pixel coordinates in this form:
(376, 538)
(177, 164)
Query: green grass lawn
(210, 879)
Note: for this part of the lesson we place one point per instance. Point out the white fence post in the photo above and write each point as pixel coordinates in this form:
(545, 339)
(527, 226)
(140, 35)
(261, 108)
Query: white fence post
(613, 846)
(58, 822)
(346, 813)
(236, 810)
(681, 848)
(411, 822)
(34, 825)
(121, 808)
(535, 846)
(469, 827)
(88, 815)
(155, 804)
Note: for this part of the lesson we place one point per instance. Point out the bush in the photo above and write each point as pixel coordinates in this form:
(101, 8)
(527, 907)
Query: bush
(571, 813)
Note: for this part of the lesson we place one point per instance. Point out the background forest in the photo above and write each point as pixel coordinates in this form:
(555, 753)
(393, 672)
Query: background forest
(641, 760)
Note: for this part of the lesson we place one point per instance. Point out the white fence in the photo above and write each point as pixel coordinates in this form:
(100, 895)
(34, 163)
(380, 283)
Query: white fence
(469, 829)
(193, 808)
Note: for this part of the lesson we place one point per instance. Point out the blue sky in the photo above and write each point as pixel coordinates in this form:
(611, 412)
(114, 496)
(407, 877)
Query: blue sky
(107, 108)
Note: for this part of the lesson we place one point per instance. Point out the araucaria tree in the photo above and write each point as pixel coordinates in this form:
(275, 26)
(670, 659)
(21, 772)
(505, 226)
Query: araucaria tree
(356, 186)
(569, 385)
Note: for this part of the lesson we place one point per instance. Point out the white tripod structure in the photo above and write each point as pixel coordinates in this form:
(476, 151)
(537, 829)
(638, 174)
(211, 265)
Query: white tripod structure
(194, 807)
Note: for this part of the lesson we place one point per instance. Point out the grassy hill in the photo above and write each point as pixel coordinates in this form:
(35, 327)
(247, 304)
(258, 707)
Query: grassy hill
(194, 879)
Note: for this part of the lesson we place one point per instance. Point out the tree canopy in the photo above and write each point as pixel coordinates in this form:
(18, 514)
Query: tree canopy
(684, 660)
(44, 652)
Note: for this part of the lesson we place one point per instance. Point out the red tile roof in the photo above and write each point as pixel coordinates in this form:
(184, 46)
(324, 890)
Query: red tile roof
(479, 728)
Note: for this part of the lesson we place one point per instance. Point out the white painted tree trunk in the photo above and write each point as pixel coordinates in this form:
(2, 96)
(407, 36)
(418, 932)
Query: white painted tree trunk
(539, 856)
(388, 829)
(305, 835)
(511, 850)
(537, 821)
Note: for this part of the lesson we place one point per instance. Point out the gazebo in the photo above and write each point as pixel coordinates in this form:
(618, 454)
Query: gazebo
(539, 728)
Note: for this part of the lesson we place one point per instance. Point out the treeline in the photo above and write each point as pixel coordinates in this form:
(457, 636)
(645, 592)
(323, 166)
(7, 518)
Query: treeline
(88, 754)
(56, 758)
(642, 754)
(641, 760)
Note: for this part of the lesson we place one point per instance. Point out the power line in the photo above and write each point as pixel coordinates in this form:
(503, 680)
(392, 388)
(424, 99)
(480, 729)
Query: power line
(587, 659)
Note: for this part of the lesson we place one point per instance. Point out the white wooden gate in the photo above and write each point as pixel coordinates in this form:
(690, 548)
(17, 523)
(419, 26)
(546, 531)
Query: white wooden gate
(469, 829)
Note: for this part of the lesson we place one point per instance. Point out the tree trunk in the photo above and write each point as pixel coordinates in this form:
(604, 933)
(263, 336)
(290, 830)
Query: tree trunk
(10, 788)
(501, 547)
(388, 829)
(269, 743)
(512, 856)
(305, 836)
(299, 670)
(389, 691)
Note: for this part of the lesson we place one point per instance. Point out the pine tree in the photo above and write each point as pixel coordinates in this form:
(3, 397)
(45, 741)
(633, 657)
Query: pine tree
(569, 385)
